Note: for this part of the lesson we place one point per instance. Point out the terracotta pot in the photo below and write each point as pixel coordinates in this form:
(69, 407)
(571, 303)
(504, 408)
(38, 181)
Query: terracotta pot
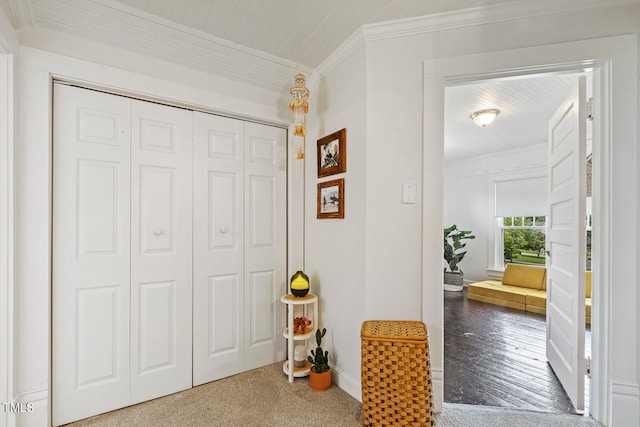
(320, 382)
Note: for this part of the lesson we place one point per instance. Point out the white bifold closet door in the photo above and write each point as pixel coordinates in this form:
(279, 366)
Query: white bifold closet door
(161, 250)
(122, 251)
(239, 246)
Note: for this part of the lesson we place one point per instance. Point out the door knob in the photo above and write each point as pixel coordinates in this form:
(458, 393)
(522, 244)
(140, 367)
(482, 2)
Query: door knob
(223, 230)
(158, 231)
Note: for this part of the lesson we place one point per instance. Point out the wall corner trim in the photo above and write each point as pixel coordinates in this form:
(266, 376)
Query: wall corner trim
(344, 51)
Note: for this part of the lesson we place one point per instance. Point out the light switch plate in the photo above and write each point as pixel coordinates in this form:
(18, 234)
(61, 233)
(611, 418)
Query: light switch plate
(409, 189)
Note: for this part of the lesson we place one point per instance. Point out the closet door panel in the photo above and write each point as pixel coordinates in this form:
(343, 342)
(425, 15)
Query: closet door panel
(97, 197)
(90, 266)
(218, 245)
(265, 243)
(262, 293)
(158, 210)
(161, 250)
(223, 214)
(157, 317)
(223, 311)
(262, 211)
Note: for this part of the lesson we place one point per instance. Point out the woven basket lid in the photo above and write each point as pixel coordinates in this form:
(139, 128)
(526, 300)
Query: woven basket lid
(409, 330)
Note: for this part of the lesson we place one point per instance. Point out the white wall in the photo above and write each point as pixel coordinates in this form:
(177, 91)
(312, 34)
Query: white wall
(9, 46)
(336, 250)
(394, 156)
(143, 76)
(398, 135)
(360, 278)
(469, 200)
(369, 265)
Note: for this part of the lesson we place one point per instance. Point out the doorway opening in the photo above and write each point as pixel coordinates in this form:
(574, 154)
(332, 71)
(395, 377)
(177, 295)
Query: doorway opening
(495, 185)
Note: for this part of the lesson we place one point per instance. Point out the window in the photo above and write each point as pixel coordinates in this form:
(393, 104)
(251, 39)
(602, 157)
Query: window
(521, 209)
(521, 240)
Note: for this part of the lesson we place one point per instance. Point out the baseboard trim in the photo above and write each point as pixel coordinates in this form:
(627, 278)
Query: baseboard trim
(437, 386)
(625, 404)
(35, 405)
(347, 384)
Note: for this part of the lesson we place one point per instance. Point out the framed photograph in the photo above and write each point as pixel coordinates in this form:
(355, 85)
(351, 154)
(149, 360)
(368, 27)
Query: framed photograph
(332, 153)
(331, 199)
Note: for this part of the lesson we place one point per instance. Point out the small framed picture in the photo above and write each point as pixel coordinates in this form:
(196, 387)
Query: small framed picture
(332, 153)
(331, 199)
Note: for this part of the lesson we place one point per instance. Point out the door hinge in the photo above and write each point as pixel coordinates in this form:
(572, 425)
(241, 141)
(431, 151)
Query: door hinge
(587, 364)
(590, 109)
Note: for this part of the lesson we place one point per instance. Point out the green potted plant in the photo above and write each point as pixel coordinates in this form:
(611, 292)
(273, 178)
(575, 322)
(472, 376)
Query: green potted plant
(320, 374)
(453, 254)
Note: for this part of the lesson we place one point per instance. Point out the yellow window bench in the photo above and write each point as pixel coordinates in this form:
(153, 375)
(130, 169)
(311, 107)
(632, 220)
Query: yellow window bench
(523, 287)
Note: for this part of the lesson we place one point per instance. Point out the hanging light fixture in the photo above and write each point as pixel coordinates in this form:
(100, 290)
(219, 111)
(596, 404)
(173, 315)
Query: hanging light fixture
(484, 117)
(299, 104)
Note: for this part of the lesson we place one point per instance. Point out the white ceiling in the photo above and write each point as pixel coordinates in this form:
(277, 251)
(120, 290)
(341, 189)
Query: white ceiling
(526, 105)
(266, 42)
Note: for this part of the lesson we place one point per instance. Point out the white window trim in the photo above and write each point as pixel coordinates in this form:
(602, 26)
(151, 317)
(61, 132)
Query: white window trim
(495, 253)
(499, 241)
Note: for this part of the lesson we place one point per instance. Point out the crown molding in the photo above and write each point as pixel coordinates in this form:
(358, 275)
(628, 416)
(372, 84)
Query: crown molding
(519, 9)
(494, 163)
(344, 51)
(112, 23)
(9, 41)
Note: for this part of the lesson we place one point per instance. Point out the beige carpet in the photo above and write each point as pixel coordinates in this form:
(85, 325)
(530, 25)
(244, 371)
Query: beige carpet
(264, 398)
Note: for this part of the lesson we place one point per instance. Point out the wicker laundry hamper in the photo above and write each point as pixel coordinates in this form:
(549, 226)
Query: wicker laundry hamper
(396, 374)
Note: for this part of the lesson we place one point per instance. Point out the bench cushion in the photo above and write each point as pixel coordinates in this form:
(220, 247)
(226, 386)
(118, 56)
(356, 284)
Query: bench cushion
(537, 301)
(532, 298)
(524, 276)
(496, 290)
(537, 298)
(498, 301)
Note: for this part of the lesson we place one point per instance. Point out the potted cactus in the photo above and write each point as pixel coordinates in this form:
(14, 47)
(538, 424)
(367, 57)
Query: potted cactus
(320, 375)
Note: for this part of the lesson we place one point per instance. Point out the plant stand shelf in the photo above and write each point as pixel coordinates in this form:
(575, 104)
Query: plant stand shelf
(308, 305)
(298, 372)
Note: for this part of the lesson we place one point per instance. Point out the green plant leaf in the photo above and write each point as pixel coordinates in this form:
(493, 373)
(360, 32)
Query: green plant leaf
(453, 244)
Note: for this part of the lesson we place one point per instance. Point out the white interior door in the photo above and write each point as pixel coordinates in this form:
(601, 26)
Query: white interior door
(239, 246)
(134, 250)
(161, 250)
(121, 252)
(218, 245)
(265, 226)
(566, 244)
(91, 182)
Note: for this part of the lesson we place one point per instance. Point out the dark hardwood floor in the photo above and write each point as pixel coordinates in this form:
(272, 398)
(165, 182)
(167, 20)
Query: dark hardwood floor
(495, 356)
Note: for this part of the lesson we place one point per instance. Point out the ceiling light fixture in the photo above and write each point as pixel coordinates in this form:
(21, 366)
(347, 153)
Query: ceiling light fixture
(484, 117)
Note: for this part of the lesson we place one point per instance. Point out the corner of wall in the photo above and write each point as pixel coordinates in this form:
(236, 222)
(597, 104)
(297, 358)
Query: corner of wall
(348, 384)
(9, 42)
